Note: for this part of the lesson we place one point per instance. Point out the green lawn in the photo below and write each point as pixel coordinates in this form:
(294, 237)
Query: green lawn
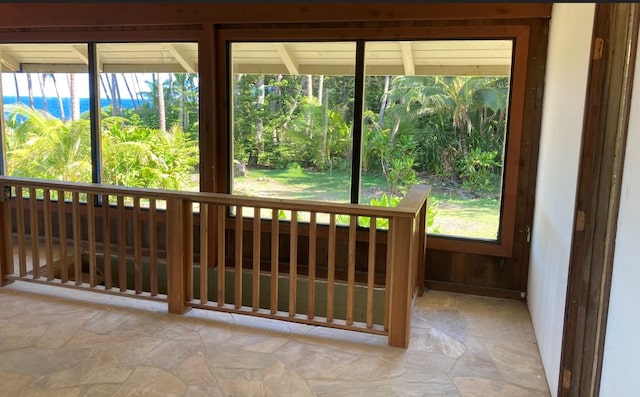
(456, 214)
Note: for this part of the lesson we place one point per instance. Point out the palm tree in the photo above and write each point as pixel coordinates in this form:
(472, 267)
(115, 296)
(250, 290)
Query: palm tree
(30, 89)
(185, 90)
(55, 86)
(458, 98)
(161, 110)
(15, 81)
(43, 146)
(43, 81)
(75, 103)
(133, 99)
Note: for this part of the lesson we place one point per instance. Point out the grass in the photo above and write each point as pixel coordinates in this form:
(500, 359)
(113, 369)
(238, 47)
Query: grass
(468, 217)
(457, 215)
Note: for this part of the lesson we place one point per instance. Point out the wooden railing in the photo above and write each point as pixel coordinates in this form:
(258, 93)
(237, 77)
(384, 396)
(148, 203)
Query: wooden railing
(294, 262)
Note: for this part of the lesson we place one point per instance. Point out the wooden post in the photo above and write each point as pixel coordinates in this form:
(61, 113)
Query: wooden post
(176, 293)
(401, 287)
(6, 245)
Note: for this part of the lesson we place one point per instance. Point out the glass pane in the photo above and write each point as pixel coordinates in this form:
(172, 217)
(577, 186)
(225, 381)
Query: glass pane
(292, 119)
(436, 113)
(149, 105)
(45, 90)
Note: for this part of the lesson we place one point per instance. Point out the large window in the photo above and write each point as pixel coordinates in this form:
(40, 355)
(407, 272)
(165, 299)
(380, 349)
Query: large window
(142, 132)
(45, 106)
(436, 113)
(433, 112)
(150, 120)
(293, 119)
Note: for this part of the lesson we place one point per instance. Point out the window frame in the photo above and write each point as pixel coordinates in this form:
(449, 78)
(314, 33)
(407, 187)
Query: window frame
(92, 37)
(517, 31)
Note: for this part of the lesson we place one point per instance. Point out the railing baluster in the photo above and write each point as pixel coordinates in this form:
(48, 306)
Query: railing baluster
(220, 220)
(137, 246)
(106, 238)
(351, 267)
(371, 269)
(153, 248)
(48, 234)
(77, 249)
(204, 253)
(91, 236)
(62, 234)
(312, 265)
(187, 236)
(422, 246)
(257, 223)
(293, 263)
(275, 258)
(122, 243)
(238, 258)
(331, 271)
(22, 255)
(34, 232)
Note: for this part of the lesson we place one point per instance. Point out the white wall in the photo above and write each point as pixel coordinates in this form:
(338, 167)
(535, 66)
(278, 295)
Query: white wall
(562, 115)
(621, 367)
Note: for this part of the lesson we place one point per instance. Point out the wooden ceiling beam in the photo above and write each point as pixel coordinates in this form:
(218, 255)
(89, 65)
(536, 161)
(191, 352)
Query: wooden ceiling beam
(407, 58)
(287, 58)
(9, 62)
(81, 52)
(188, 65)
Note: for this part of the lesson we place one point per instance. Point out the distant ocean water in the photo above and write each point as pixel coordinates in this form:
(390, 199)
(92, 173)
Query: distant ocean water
(54, 109)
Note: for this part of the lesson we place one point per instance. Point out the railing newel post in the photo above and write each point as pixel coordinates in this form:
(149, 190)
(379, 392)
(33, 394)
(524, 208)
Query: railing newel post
(6, 245)
(401, 285)
(176, 280)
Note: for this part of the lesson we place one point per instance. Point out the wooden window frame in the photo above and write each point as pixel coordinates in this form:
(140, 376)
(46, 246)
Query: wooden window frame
(519, 33)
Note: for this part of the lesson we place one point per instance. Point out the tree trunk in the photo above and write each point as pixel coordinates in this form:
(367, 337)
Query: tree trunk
(325, 155)
(60, 105)
(136, 86)
(75, 102)
(104, 88)
(161, 114)
(320, 87)
(133, 99)
(309, 86)
(259, 121)
(383, 102)
(113, 88)
(30, 88)
(394, 131)
(42, 81)
(15, 81)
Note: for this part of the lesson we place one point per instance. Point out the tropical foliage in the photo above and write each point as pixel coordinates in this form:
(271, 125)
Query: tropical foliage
(449, 126)
(43, 146)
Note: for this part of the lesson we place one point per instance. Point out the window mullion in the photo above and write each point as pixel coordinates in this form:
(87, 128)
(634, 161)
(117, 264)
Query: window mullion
(94, 114)
(358, 108)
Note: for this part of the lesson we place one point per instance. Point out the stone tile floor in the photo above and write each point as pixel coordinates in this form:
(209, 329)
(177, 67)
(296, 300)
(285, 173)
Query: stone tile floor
(62, 342)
